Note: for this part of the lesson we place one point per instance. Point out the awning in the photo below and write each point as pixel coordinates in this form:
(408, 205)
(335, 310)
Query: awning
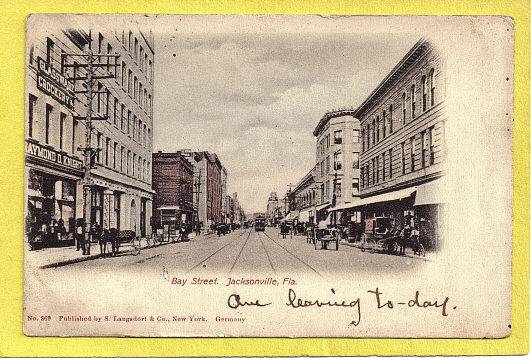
(304, 216)
(431, 193)
(321, 207)
(292, 215)
(345, 205)
(382, 198)
(324, 223)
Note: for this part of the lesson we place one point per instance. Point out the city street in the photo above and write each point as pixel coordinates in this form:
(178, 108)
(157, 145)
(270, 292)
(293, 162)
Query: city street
(247, 251)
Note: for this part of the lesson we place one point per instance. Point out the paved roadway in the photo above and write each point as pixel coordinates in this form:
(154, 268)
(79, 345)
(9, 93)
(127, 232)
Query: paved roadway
(247, 251)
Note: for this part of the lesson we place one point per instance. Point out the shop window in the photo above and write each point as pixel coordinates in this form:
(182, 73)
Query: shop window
(355, 187)
(49, 110)
(338, 137)
(31, 114)
(117, 210)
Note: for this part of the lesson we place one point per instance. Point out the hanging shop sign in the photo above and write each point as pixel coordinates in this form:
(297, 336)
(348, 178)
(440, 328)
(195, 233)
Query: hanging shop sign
(53, 156)
(55, 84)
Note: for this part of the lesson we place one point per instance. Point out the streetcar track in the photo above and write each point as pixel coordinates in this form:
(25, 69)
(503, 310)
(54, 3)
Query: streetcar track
(215, 252)
(296, 257)
(267, 254)
(241, 250)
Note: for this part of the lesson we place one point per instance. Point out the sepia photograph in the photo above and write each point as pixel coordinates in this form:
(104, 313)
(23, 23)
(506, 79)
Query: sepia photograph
(268, 176)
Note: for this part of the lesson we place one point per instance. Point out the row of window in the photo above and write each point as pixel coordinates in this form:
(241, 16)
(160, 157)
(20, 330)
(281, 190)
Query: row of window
(338, 139)
(115, 156)
(137, 52)
(127, 162)
(129, 123)
(380, 168)
(380, 127)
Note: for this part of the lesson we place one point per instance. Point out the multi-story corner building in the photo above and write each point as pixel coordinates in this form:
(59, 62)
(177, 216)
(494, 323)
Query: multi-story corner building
(207, 175)
(173, 184)
(303, 199)
(56, 108)
(403, 144)
(337, 170)
(272, 209)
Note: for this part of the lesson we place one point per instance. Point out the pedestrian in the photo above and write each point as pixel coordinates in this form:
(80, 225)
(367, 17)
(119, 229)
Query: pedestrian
(79, 235)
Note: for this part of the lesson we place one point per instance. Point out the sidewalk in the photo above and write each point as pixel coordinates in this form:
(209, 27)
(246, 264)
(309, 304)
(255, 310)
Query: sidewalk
(62, 256)
(429, 256)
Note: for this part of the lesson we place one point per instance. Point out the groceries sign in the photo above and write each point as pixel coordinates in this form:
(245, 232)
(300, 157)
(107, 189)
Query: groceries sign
(53, 83)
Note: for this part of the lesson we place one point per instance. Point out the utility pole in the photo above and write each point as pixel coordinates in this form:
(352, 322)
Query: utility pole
(197, 186)
(89, 152)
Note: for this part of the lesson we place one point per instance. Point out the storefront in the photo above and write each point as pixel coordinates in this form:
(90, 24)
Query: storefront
(430, 213)
(52, 187)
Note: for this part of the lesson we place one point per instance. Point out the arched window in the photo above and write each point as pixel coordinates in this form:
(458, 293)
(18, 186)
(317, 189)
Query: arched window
(403, 108)
(424, 93)
(432, 87)
(412, 101)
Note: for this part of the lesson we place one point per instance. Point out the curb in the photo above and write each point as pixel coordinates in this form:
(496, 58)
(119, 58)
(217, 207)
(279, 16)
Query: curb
(96, 256)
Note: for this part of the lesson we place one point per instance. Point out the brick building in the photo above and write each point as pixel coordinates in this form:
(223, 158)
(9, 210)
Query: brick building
(208, 201)
(173, 202)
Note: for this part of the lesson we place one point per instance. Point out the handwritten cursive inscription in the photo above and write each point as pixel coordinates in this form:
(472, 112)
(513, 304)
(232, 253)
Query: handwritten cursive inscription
(234, 301)
(297, 302)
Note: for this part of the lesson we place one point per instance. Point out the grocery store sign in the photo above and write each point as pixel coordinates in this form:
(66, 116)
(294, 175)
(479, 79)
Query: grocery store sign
(53, 156)
(55, 84)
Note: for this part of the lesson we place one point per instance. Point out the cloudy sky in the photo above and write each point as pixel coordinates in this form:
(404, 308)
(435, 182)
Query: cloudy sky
(255, 99)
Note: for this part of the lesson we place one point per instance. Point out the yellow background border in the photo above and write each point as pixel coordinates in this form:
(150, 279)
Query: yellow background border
(12, 340)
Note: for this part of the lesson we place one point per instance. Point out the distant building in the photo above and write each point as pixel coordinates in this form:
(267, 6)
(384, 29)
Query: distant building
(272, 214)
(303, 200)
(173, 202)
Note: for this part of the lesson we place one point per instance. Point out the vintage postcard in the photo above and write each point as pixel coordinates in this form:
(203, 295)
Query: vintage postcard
(268, 176)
